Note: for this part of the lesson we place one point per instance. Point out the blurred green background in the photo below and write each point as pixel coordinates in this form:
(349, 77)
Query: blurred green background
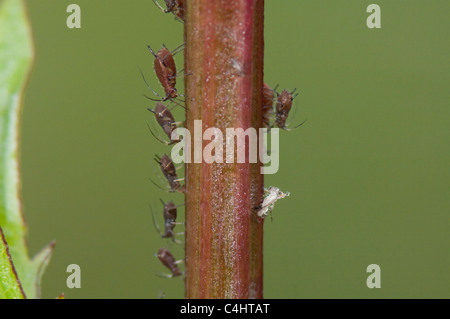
(368, 173)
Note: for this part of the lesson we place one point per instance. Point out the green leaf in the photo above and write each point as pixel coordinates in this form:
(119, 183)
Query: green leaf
(16, 58)
(10, 287)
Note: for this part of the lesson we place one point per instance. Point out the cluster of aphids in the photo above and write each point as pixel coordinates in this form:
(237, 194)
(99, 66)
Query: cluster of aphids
(277, 117)
(166, 72)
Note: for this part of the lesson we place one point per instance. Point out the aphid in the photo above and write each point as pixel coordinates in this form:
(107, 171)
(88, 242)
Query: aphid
(175, 6)
(271, 195)
(170, 173)
(282, 108)
(169, 261)
(267, 102)
(166, 72)
(170, 216)
(167, 122)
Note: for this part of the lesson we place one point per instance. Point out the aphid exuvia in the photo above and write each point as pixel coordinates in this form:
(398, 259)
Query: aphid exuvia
(271, 195)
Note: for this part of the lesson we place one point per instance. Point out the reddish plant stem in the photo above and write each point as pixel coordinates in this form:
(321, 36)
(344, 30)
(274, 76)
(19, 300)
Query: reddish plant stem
(224, 237)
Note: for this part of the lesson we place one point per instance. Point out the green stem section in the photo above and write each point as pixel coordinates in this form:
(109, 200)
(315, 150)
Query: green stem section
(224, 59)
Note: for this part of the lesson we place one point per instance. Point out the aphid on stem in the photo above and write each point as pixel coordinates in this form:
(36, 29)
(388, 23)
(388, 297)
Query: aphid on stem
(271, 196)
(170, 216)
(283, 107)
(175, 6)
(167, 122)
(169, 261)
(170, 173)
(166, 72)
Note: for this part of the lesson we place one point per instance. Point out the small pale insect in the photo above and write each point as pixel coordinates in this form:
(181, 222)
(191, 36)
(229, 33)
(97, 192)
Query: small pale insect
(271, 195)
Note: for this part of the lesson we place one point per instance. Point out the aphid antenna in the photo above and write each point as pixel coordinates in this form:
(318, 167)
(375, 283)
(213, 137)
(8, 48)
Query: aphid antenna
(293, 128)
(161, 188)
(155, 223)
(160, 7)
(148, 86)
(158, 138)
(151, 50)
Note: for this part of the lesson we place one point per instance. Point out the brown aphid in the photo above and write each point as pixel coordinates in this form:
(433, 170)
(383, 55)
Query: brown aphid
(267, 102)
(166, 71)
(283, 107)
(167, 122)
(169, 261)
(170, 173)
(177, 7)
(170, 217)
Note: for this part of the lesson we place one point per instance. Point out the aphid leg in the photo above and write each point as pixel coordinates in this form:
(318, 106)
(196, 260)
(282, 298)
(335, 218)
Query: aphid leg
(169, 190)
(170, 101)
(163, 275)
(275, 90)
(180, 73)
(176, 124)
(175, 51)
(153, 52)
(292, 93)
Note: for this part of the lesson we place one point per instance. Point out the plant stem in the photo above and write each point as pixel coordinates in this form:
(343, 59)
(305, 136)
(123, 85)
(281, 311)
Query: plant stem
(224, 62)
